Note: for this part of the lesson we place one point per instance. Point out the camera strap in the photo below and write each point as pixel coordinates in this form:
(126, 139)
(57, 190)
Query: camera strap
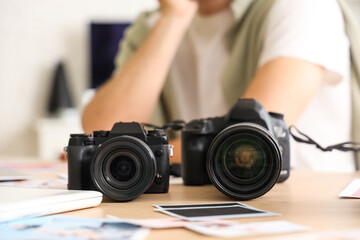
(303, 138)
(176, 125)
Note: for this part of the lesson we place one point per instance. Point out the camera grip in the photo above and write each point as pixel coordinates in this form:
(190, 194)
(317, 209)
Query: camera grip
(79, 162)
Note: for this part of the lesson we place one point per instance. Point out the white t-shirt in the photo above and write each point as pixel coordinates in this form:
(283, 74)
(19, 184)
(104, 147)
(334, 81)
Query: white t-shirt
(314, 31)
(198, 66)
(308, 30)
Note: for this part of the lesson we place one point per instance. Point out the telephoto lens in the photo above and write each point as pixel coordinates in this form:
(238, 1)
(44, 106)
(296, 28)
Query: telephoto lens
(244, 161)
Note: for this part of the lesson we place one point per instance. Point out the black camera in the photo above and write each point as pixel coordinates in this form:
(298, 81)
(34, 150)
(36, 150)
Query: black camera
(122, 163)
(243, 153)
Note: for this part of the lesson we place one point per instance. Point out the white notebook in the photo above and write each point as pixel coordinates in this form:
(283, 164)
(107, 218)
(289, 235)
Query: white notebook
(10, 175)
(16, 203)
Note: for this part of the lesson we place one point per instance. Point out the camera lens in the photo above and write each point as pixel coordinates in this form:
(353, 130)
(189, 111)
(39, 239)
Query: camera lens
(123, 168)
(244, 161)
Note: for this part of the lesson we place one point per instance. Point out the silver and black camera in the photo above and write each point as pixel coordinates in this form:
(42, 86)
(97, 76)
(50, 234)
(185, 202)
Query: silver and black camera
(243, 153)
(122, 163)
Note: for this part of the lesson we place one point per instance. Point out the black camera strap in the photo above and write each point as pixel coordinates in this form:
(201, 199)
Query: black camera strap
(303, 138)
(294, 132)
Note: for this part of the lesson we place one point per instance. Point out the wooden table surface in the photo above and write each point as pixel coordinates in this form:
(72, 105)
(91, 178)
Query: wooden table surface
(306, 198)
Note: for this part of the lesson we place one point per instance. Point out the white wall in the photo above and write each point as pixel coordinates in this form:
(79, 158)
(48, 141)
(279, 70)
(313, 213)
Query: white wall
(34, 36)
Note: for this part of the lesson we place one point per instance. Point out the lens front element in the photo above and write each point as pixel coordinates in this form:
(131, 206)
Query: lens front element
(123, 168)
(244, 158)
(244, 161)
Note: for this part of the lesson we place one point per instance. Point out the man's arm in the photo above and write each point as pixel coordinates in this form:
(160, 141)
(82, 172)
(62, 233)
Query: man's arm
(286, 85)
(133, 91)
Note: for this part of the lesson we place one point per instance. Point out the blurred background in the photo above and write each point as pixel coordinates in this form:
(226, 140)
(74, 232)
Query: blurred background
(52, 53)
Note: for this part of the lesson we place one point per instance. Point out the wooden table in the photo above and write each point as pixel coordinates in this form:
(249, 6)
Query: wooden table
(306, 198)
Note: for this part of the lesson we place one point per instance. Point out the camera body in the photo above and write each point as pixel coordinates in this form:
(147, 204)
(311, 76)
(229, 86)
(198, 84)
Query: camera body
(122, 163)
(246, 118)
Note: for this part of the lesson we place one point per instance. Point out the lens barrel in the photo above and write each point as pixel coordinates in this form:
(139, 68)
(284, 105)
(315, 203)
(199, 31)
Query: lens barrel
(123, 168)
(244, 161)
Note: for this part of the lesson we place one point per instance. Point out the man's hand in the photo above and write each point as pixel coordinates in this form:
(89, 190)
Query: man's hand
(184, 9)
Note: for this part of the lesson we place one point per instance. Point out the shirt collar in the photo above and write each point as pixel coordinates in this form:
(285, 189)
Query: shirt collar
(238, 7)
